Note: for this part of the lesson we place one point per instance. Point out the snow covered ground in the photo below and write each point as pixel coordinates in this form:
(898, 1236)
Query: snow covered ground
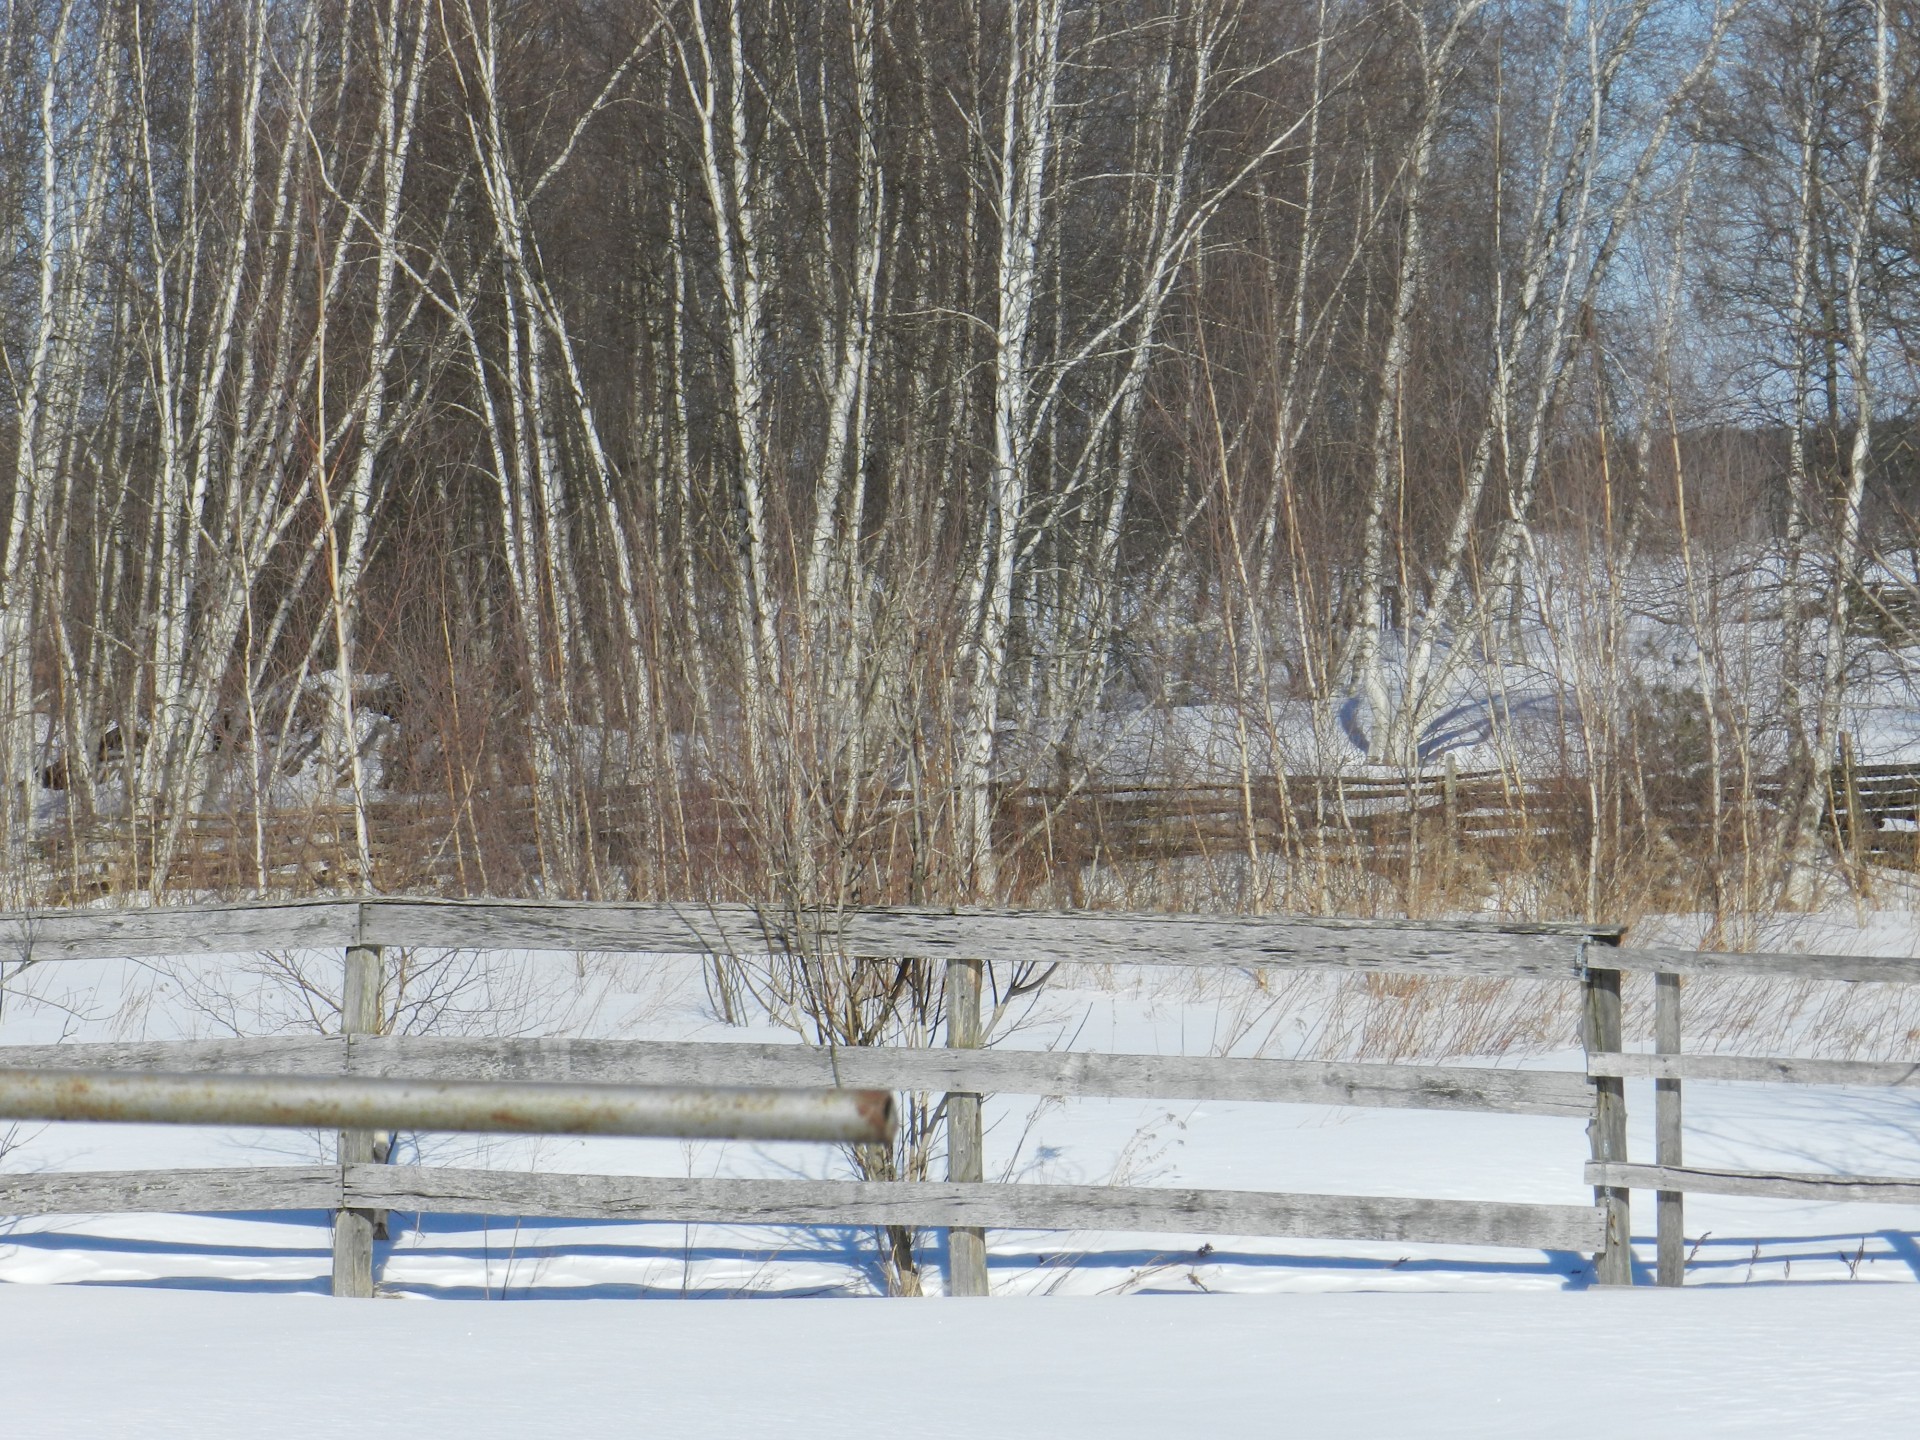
(1804, 1361)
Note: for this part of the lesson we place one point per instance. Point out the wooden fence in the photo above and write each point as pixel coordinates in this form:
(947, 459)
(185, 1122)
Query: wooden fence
(356, 1187)
(1375, 820)
(1383, 824)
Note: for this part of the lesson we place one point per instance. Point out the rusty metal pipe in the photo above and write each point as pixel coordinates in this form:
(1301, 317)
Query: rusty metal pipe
(483, 1107)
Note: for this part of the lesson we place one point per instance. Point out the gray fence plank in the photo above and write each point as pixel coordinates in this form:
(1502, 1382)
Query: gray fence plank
(1095, 938)
(176, 930)
(1243, 942)
(1006, 1072)
(1016, 1207)
(801, 1202)
(1770, 1184)
(611, 927)
(1001, 936)
(991, 1072)
(272, 1187)
(1668, 961)
(285, 1055)
(1757, 1069)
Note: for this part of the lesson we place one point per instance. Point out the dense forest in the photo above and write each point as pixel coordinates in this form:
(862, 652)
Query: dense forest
(795, 450)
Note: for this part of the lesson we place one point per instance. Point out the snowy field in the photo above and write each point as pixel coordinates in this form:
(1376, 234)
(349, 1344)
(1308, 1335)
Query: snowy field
(1815, 1360)
(203, 1325)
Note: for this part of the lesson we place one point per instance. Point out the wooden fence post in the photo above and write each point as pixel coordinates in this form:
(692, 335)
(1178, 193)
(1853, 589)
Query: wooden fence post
(1607, 1131)
(966, 1162)
(1852, 830)
(1666, 1132)
(353, 1229)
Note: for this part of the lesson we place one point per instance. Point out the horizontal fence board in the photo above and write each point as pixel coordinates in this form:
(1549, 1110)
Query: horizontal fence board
(1009, 1072)
(1089, 938)
(270, 1187)
(1667, 960)
(1239, 942)
(803, 1202)
(1769, 1184)
(612, 928)
(288, 1055)
(1755, 1068)
(1053, 937)
(1005, 1207)
(176, 930)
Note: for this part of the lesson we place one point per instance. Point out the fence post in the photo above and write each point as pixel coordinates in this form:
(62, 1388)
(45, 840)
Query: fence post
(1667, 1149)
(966, 1162)
(1851, 829)
(1608, 1129)
(353, 1229)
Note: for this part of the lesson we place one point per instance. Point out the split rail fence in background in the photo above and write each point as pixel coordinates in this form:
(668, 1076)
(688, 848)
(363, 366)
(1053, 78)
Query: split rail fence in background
(357, 1188)
(1378, 822)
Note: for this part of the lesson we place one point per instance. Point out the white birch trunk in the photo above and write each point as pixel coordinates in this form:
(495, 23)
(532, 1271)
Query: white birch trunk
(1026, 143)
(1363, 662)
(1861, 332)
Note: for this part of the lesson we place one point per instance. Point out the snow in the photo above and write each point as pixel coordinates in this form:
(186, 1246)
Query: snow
(1764, 1360)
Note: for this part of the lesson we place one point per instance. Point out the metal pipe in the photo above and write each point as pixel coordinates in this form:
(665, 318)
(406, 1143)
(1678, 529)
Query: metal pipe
(491, 1107)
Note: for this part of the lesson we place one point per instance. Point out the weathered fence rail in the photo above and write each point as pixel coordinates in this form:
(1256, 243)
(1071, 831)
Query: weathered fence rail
(1046, 937)
(1159, 1210)
(357, 1189)
(1004, 1072)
